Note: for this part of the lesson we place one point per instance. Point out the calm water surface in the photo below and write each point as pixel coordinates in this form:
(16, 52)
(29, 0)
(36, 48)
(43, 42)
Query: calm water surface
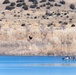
(36, 65)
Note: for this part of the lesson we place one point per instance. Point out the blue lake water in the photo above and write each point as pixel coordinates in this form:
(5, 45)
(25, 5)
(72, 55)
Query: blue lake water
(36, 65)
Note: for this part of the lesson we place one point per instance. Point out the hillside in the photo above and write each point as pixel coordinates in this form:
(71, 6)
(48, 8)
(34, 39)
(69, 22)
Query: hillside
(38, 27)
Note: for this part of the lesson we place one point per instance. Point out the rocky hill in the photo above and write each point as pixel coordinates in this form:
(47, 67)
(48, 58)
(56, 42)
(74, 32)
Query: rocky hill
(38, 27)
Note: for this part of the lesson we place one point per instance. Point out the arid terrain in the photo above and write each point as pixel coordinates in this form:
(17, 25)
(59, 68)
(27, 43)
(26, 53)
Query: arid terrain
(38, 27)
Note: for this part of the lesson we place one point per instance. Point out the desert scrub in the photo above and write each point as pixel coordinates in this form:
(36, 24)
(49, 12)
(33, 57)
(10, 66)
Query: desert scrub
(19, 5)
(25, 7)
(72, 6)
(51, 0)
(73, 25)
(42, 1)
(9, 7)
(6, 2)
(33, 6)
(12, 4)
(20, 1)
(62, 2)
